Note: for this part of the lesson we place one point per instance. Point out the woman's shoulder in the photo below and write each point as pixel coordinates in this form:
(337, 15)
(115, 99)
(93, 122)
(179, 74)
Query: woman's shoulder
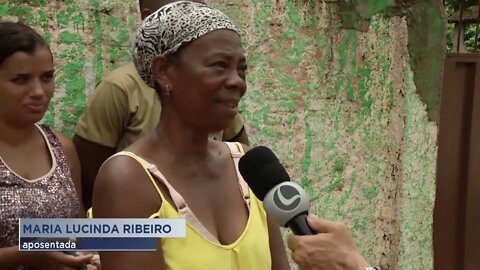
(120, 181)
(123, 166)
(55, 136)
(65, 142)
(62, 145)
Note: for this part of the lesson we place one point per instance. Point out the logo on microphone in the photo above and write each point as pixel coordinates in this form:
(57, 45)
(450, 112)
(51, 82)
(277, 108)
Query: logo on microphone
(286, 198)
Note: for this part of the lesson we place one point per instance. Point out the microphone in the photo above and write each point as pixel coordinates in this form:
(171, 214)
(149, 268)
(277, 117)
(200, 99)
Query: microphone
(285, 202)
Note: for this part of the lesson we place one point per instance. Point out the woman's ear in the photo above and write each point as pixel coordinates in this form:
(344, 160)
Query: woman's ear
(160, 67)
(144, 13)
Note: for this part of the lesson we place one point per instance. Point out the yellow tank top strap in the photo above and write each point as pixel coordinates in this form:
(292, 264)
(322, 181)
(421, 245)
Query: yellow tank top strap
(240, 148)
(146, 167)
(236, 151)
(90, 213)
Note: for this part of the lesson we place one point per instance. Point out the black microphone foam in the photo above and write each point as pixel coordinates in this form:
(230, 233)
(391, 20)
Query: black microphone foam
(262, 170)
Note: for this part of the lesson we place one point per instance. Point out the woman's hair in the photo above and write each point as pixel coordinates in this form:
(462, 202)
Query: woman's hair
(15, 37)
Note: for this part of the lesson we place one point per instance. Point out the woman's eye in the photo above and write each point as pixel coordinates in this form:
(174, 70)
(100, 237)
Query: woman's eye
(220, 64)
(48, 77)
(19, 80)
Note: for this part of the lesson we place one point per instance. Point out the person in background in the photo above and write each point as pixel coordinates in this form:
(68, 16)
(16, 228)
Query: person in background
(331, 248)
(121, 109)
(192, 55)
(39, 168)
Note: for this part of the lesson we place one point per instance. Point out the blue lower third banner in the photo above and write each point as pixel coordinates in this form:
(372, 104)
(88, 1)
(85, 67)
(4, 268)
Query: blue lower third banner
(87, 244)
(97, 234)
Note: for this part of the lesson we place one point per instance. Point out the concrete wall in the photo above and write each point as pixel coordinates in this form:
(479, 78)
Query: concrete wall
(339, 90)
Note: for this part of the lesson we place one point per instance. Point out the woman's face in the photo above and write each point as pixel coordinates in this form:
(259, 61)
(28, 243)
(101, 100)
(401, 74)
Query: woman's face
(208, 80)
(26, 86)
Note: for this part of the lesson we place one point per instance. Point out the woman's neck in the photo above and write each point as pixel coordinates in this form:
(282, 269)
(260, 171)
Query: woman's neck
(14, 135)
(182, 141)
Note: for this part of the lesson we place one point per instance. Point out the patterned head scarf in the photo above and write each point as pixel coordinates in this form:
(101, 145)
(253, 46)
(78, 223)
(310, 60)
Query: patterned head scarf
(173, 25)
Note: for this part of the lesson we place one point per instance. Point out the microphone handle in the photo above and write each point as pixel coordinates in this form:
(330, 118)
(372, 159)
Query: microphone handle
(299, 225)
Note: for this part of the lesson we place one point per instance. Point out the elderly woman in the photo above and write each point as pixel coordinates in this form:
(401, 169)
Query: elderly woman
(192, 55)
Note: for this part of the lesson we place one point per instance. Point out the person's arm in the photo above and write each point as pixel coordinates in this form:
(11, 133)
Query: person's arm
(123, 190)
(277, 247)
(75, 169)
(92, 156)
(99, 130)
(236, 132)
(331, 248)
(11, 257)
(74, 164)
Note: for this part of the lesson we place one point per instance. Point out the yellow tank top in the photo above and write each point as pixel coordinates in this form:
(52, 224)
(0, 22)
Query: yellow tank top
(198, 250)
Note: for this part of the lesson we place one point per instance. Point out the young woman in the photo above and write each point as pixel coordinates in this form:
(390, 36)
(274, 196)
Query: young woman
(39, 168)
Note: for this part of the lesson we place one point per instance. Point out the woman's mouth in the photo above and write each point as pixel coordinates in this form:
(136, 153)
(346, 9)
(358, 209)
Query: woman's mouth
(36, 107)
(230, 106)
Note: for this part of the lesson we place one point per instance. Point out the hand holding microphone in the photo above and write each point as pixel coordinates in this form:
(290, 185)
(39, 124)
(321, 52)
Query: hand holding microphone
(331, 248)
(318, 244)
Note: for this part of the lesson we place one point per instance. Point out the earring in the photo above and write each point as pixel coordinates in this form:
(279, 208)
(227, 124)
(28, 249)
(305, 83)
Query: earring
(167, 91)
